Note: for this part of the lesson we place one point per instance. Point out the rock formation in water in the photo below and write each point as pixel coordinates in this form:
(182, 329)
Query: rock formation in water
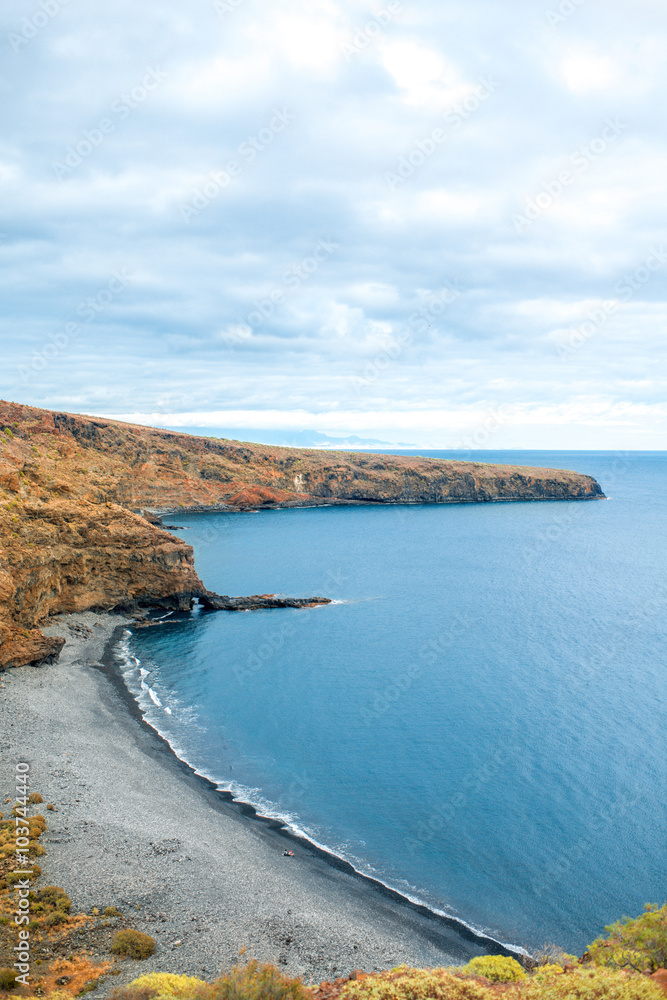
(73, 491)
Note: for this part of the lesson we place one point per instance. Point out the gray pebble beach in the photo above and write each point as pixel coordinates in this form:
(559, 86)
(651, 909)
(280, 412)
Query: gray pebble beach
(135, 828)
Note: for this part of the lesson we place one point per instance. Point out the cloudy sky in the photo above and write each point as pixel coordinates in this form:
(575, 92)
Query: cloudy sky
(427, 221)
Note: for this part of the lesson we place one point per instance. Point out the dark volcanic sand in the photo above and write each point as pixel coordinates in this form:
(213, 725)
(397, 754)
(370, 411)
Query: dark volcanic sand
(137, 829)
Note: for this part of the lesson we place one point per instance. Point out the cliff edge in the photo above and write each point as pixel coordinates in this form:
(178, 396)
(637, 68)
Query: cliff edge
(72, 487)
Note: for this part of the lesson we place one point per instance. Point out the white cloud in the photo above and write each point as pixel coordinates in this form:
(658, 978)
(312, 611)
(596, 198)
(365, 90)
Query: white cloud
(585, 70)
(426, 80)
(218, 81)
(324, 179)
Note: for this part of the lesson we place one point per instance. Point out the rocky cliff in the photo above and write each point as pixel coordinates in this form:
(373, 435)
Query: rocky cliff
(71, 488)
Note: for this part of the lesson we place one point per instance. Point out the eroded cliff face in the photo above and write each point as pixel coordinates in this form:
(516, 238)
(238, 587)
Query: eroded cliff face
(69, 539)
(63, 556)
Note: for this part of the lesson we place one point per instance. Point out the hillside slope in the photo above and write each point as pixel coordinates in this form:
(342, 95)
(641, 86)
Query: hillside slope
(72, 487)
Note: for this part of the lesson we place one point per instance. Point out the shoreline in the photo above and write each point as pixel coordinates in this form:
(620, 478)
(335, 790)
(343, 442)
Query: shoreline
(138, 828)
(223, 508)
(109, 666)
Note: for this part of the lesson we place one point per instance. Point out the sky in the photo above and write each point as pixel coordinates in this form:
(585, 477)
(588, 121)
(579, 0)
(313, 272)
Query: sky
(435, 223)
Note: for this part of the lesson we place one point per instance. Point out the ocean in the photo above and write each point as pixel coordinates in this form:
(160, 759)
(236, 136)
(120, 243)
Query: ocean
(478, 720)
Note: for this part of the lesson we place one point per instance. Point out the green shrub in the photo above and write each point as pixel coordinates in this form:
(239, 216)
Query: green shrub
(497, 968)
(404, 983)
(167, 984)
(7, 979)
(56, 918)
(639, 943)
(133, 944)
(12, 877)
(52, 897)
(111, 911)
(590, 983)
(129, 992)
(256, 982)
(548, 971)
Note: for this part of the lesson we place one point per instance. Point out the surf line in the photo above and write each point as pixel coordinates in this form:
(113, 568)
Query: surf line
(110, 666)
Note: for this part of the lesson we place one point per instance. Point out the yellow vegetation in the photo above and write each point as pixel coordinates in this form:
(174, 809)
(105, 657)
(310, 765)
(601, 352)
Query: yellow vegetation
(167, 984)
(496, 968)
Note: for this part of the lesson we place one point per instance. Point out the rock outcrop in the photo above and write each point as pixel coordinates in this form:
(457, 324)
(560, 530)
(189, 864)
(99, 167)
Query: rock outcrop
(71, 537)
(214, 602)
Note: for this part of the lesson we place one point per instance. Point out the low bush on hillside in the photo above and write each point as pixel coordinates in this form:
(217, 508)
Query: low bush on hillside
(161, 986)
(52, 897)
(497, 968)
(255, 982)
(404, 983)
(7, 979)
(133, 944)
(639, 943)
(588, 983)
(550, 982)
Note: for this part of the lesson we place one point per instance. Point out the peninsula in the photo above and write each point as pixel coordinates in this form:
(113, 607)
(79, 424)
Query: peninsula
(81, 499)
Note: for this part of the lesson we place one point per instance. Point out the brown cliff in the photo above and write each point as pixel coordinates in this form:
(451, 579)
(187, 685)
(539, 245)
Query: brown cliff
(69, 539)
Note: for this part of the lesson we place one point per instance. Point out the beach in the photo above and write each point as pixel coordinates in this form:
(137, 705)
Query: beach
(134, 827)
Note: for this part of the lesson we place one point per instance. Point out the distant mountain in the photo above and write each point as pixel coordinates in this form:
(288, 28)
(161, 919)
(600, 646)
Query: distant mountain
(286, 438)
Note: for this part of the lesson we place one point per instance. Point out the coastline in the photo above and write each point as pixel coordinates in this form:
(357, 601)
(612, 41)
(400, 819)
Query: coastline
(137, 828)
(484, 943)
(312, 502)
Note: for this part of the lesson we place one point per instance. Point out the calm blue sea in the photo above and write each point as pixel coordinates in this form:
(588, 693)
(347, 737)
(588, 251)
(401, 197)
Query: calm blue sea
(479, 720)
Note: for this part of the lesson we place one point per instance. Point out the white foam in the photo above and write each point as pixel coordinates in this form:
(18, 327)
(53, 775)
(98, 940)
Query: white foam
(154, 698)
(265, 808)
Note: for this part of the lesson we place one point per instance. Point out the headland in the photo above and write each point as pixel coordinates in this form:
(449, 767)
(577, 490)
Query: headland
(81, 498)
